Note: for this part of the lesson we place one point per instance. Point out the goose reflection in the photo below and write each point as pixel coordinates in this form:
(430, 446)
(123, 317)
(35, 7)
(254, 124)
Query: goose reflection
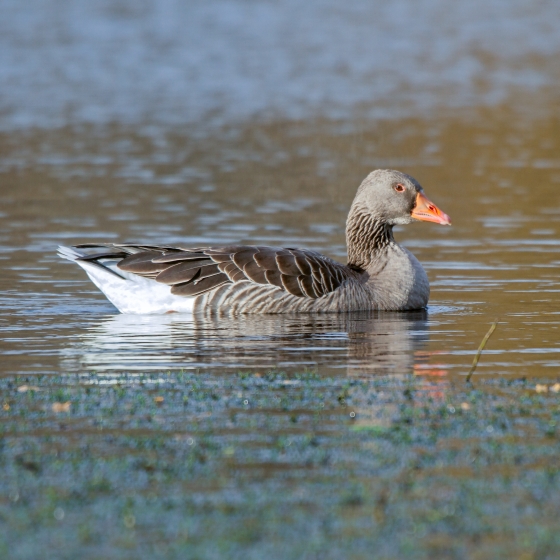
(353, 344)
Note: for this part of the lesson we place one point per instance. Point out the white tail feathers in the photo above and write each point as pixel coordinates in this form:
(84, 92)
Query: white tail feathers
(68, 253)
(128, 292)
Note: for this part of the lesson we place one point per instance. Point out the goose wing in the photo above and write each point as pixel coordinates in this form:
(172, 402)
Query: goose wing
(194, 271)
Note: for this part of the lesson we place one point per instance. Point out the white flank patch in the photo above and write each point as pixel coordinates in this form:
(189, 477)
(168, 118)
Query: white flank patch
(129, 293)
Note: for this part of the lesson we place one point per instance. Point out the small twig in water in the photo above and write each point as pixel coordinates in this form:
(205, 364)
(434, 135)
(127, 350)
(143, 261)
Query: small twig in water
(480, 349)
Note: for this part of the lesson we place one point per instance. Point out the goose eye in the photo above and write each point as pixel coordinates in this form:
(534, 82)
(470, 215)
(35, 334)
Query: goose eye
(399, 188)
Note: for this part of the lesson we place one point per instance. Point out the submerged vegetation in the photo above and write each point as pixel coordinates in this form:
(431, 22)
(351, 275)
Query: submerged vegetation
(195, 465)
(480, 349)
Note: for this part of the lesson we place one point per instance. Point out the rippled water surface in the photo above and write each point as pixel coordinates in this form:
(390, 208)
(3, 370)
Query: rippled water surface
(242, 121)
(218, 61)
(255, 122)
(286, 183)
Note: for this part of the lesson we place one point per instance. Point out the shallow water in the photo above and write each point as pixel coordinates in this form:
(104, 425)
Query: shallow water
(255, 122)
(190, 465)
(286, 183)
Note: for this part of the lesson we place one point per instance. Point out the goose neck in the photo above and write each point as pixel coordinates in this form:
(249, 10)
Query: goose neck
(366, 237)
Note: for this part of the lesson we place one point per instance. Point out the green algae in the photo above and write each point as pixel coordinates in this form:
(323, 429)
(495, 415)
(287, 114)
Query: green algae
(192, 465)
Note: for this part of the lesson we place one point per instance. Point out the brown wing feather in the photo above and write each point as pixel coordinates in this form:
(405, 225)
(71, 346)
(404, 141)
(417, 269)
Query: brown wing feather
(221, 257)
(266, 258)
(141, 263)
(339, 276)
(302, 263)
(315, 266)
(318, 287)
(244, 257)
(228, 268)
(291, 285)
(185, 272)
(181, 256)
(287, 265)
(327, 280)
(200, 286)
(306, 285)
(274, 277)
(238, 276)
(255, 273)
(226, 250)
(193, 271)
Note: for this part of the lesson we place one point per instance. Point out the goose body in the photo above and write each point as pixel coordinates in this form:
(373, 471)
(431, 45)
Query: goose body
(379, 275)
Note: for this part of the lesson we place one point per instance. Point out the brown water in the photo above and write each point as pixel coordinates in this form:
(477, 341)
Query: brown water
(286, 183)
(254, 122)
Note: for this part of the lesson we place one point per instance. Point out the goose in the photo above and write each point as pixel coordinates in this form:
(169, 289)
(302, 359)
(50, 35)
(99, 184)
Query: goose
(380, 274)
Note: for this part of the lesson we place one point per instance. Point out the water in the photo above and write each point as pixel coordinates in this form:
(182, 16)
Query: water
(285, 183)
(218, 122)
(223, 61)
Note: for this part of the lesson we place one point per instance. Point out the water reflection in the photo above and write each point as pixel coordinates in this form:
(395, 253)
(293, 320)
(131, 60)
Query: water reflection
(350, 344)
(500, 259)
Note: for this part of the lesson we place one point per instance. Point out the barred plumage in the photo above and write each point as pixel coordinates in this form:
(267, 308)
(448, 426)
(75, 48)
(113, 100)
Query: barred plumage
(258, 279)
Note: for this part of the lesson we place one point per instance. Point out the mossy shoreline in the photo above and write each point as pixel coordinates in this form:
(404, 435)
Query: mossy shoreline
(196, 465)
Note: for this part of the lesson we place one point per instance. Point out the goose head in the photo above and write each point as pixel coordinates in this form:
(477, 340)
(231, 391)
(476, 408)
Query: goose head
(395, 198)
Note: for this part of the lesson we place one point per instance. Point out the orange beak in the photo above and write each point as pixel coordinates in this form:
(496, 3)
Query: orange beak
(428, 212)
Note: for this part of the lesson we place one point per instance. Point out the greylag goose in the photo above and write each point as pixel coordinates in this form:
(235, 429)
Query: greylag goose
(379, 275)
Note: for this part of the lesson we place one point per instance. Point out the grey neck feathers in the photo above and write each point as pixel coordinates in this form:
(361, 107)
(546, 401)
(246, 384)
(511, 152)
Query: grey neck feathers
(366, 237)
